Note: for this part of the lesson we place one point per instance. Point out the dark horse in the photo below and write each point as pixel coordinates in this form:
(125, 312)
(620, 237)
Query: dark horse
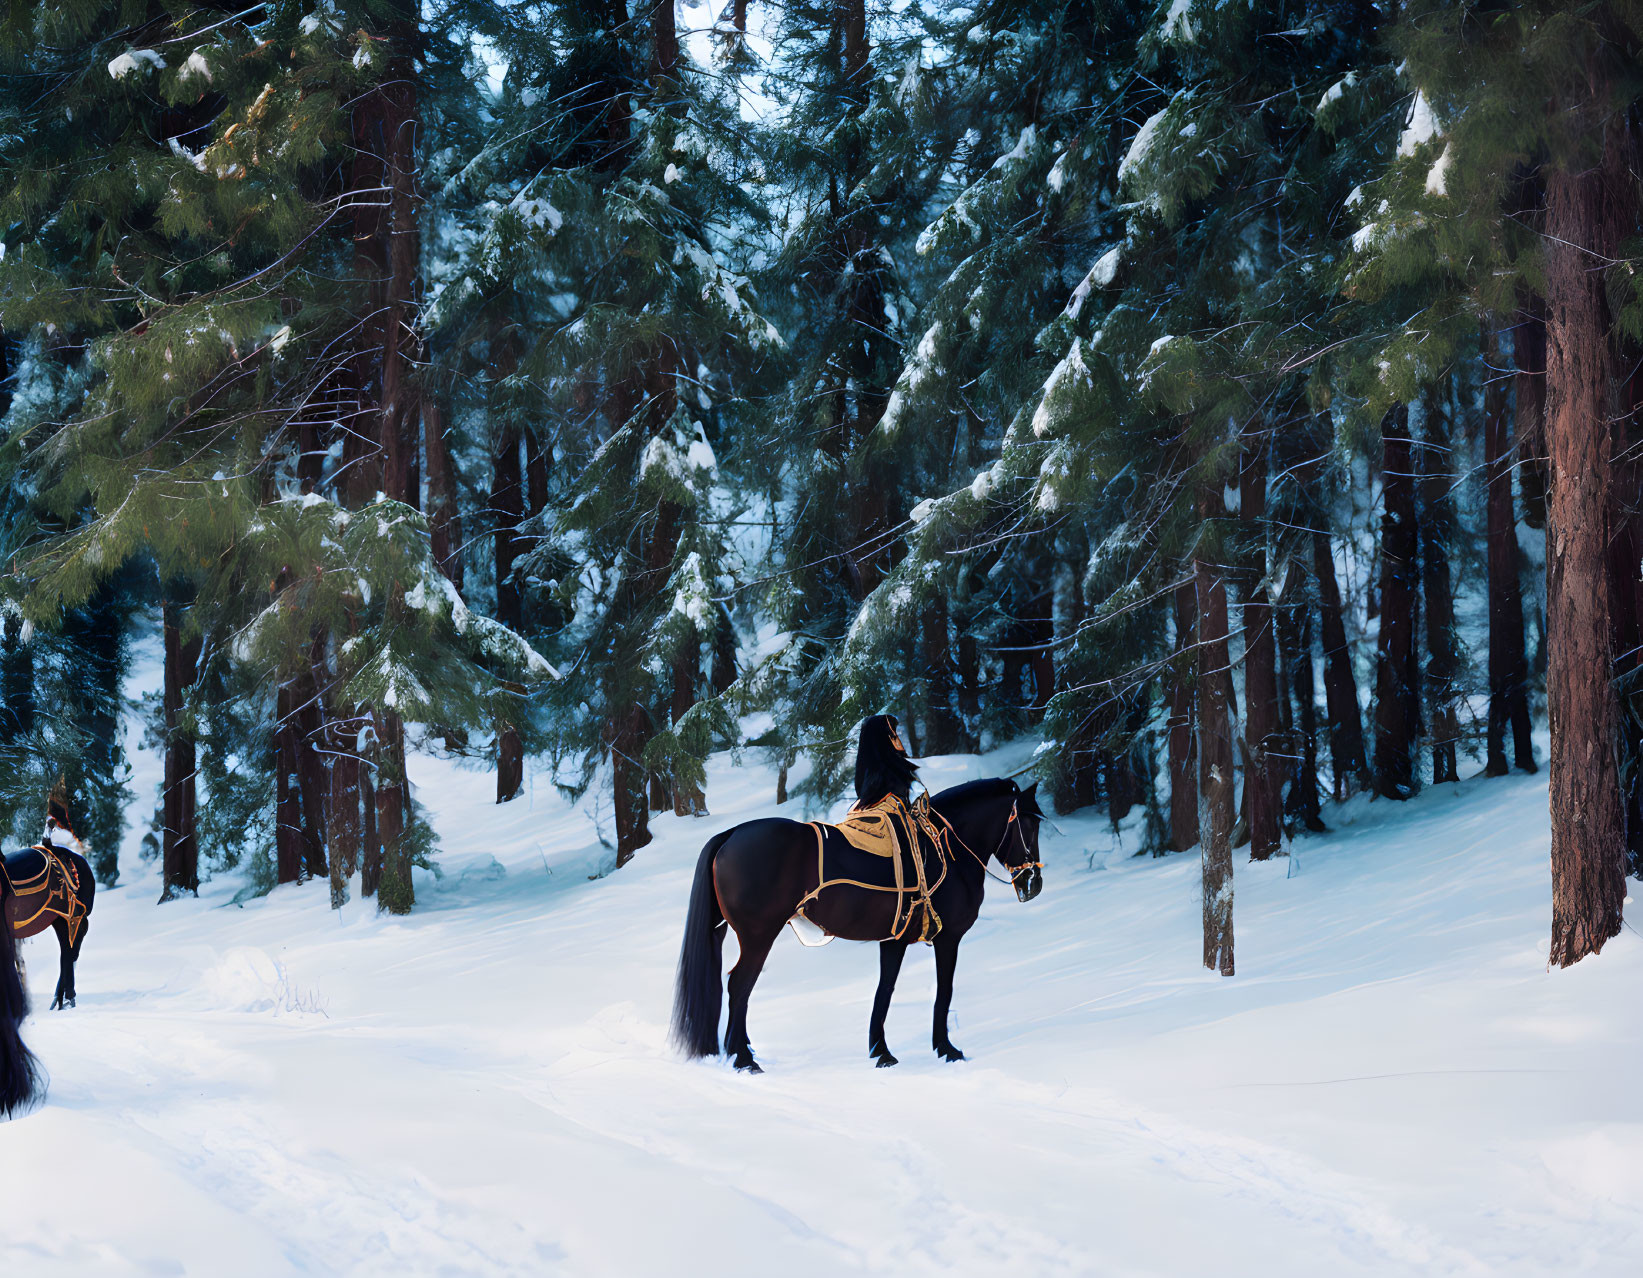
(754, 877)
(50, 887)
(20, 1083)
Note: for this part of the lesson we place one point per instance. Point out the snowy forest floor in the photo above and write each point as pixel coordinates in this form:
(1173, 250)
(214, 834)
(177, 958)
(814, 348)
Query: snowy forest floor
(1393, 1082)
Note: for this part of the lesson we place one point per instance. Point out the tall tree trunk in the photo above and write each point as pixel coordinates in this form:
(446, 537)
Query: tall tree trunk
(370, 872)
(510, 761)
(1626, 585)
(1295, 641)
(1183, 739)
(360, 476)
(1436, 529)
(290, 846)
(401, 346)
(625, 738)
(688, 799)
(179, 841)
(508, 510)
(312, 776)
(538, 469)
(1397, 683)
(99, 761)
(672, 789)
(1263, 770)
(664, 45)
(507, 485)
(1346, 745)
(1529, 355)
(969, 679)
(1216, 743)
(1508, 669)
(395, 891)
(382, 449)
(344, 814)
(1588, 213)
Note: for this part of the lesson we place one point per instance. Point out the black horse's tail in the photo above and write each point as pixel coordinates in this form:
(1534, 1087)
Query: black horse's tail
(700, 991)
(20, 1082)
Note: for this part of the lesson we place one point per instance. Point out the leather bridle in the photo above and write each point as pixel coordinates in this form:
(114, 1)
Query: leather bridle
(1028, 861)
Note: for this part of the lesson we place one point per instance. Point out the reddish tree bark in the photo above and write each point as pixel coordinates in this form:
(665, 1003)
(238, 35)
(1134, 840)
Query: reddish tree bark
(510, 761)
(1508, 668)
(382, 447)
(1397, 672)
(1588, 213)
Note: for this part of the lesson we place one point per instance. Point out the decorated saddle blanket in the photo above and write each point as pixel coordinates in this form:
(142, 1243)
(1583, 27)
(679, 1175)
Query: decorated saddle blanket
(44, 886)
(906, 853)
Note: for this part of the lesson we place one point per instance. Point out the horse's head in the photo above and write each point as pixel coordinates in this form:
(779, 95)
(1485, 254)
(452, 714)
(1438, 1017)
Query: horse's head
(1019, 854)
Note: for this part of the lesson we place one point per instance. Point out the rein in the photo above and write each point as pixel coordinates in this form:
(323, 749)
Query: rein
(1002, 839)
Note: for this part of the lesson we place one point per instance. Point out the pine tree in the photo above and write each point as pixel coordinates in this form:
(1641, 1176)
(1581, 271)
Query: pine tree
(597, 289)
(1470, 155)
(239, 389)
(852, 164)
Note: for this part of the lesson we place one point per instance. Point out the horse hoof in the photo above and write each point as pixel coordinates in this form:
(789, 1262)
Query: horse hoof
(885, 1060)
(749, 1066)
(951, 1054)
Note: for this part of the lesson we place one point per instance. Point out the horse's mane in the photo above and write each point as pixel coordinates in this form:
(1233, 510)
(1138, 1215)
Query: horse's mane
(985, 788)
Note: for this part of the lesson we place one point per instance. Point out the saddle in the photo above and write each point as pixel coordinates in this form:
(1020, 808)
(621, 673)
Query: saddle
(44, 883)
(901, 834)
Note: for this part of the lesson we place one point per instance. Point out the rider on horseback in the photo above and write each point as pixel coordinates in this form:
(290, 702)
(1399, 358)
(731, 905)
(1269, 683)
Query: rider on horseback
(59, 834)
(882, 765)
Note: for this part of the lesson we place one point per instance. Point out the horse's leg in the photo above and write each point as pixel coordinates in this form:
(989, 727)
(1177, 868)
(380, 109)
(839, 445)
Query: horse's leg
(891, 954)
(65, 967)
(946, 960)
(748, 966)
(74, 960)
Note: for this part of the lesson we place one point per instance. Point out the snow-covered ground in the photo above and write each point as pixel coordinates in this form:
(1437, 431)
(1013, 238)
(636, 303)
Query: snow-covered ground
(1393, 1083)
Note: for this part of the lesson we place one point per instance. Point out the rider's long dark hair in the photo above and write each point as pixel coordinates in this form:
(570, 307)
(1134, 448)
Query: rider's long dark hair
(20, 1081)
(882, 769)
